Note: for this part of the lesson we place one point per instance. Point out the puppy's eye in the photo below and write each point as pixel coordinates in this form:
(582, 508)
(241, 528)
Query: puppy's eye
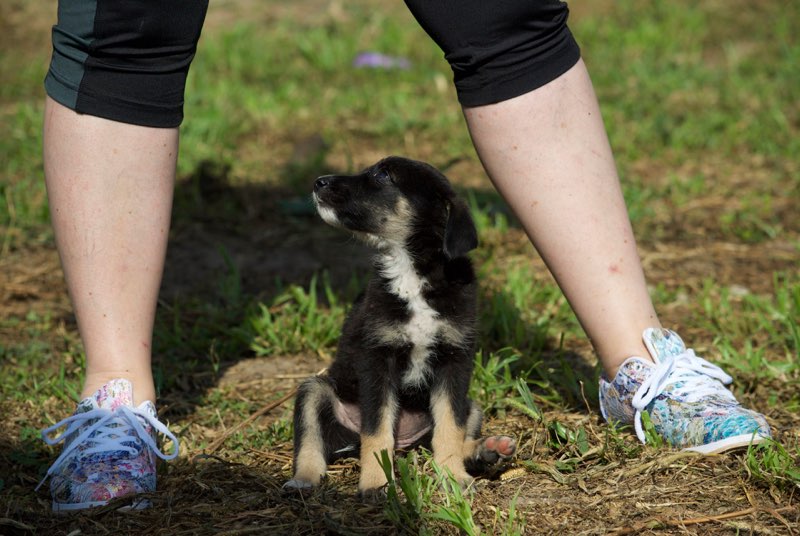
(382, 177)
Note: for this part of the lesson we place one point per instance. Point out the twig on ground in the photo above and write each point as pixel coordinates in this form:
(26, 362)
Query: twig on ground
(659, 522)
(264, 410)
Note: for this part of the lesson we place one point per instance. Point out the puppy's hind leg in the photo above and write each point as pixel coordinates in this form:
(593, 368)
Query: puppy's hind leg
(313, 423)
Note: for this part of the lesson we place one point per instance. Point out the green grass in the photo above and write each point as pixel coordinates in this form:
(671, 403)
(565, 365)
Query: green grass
(774, 464)
(701, 104)
(678, 79)
(234, 90)
(295, 322)
(768, 325)
(45, 361)
(423, 495)
(674, 84)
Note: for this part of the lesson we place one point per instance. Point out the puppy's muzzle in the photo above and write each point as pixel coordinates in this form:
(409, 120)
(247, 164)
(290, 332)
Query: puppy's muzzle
(322, 186)
(324, 189)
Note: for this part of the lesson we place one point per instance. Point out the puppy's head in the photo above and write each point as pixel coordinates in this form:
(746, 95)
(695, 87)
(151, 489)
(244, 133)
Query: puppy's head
(395, 201)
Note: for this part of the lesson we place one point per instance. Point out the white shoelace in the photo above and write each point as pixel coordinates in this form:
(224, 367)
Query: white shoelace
(700, 378)
(113, 429)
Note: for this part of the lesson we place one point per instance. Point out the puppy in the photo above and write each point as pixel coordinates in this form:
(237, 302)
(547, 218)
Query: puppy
(405, 358)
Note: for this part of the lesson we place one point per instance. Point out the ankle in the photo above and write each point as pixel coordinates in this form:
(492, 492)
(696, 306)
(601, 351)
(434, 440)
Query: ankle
(612, 365)
(143, 386)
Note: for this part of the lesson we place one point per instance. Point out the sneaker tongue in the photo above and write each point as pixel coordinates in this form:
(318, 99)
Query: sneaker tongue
(663, 343)
(112, 395)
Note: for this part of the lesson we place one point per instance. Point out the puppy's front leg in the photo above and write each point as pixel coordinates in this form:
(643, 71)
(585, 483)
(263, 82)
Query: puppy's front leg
(449, 432)
(377, 434)
(483, 454)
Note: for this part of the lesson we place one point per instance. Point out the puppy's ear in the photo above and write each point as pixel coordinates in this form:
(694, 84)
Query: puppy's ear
(460, 235)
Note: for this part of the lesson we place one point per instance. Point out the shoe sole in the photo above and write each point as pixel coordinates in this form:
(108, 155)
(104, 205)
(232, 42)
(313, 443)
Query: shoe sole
(69, 508)
(729, 443)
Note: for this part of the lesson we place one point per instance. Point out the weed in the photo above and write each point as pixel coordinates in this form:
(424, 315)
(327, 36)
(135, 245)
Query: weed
(422, 493)
(280, 432)
(297, 321)
(510, 523)
(773, 464)
(493, 380)
(456, 509)
(570, 445)
(416, 500)
(524, 403)
(617, 443)
(651, 436)
(407, 494)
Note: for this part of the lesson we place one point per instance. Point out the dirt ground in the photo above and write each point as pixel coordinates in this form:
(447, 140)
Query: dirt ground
(207, 492)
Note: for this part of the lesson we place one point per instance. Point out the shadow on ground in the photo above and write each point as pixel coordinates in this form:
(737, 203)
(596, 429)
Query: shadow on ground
(234, 246)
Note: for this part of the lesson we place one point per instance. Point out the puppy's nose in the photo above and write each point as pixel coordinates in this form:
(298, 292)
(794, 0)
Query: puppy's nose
(322, 182)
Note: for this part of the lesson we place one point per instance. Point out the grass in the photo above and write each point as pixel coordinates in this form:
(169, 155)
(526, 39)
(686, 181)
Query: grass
(701, 104)
(295, 322)
(422, 496)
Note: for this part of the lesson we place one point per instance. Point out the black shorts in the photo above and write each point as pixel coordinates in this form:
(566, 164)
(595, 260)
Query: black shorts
(499, 49)
(127, 60)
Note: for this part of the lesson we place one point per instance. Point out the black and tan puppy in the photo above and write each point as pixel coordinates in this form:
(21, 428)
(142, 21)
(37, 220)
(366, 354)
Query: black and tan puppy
(405, 357)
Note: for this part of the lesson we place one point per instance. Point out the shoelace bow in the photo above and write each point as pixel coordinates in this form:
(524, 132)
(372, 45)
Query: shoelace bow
(699, 378)
(110, 431)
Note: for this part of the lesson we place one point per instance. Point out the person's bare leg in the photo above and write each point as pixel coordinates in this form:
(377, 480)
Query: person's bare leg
(548, 154)
(110, 188)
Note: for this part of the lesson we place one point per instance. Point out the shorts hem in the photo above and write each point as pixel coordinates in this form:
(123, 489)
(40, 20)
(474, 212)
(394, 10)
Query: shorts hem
(110, 108)
(533, 75)
(125, 112)
(58, 90)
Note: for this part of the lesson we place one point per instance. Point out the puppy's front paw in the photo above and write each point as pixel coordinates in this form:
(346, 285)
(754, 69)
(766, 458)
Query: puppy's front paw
(298, 485)
(489, 455)
(373, 495)
(495, 448)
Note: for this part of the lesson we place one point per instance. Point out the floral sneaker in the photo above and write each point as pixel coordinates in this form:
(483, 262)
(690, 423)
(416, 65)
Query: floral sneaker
(109, 450)
(684, 396)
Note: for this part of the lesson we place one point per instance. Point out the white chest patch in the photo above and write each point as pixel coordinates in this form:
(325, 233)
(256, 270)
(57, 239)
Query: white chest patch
(424, 325)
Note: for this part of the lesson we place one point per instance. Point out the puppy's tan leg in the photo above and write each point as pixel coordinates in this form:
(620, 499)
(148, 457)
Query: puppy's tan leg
(449, 439)
(372, 475)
